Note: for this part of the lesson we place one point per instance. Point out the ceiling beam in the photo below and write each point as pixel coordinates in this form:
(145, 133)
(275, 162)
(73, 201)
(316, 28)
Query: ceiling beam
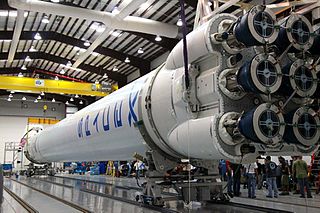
(121, 79)
(192, 3)
(140, 63)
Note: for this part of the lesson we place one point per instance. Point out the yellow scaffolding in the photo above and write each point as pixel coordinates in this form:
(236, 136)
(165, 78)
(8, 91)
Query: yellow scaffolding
(52, 86)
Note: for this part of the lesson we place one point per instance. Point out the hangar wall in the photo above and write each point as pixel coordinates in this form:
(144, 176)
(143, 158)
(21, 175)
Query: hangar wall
(14, 118)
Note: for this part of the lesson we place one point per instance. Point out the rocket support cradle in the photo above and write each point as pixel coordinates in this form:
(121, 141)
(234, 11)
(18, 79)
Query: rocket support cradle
(254, 90)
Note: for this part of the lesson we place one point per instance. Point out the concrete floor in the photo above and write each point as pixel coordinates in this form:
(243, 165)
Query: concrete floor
(102, 204)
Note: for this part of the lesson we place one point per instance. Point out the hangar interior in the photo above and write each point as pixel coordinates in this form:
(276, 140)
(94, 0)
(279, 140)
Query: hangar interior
(159, 105)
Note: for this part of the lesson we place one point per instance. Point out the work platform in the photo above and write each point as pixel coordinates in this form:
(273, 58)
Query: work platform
(84, 193)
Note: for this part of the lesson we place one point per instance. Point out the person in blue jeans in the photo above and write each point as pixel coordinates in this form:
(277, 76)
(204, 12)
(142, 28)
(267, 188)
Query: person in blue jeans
(251, 171)
(271, 176)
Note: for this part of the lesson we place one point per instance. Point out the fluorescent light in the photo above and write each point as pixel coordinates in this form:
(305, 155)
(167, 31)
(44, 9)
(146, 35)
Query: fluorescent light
(4, 13)
(36, 101)
(32, 49)
(24, 67)
(71, 99)
(23, 98)
(37, 36)
(45, 20)
(53, 100)
(76, 96)
(28, 59)
(56, 78)
(179, 22)
(10, 96)
(20, 75)
(80, 102)
(127, 60)
(42, 94)
(62, 72)
(158, 38)
(105, 75)
(115, 11)
(86, 43)
(140, 50)
(9, 99)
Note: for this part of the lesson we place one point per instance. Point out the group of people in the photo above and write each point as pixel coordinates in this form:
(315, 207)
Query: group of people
(283, 177)
(126, 168)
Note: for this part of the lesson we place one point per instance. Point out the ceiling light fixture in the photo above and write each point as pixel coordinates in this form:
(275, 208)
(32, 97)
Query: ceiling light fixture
(81, 102)
(115, 68)
(67, 102)
(28, 59)
(39, 97)
(24, 98)
(86, 43)
(20, 75)
(115, 11)
(96, 82)
(45, 19)
(9, 99)
(32, 49)
(140, 51)
(127, 60)
(116, 33)
(95, 54)
(36, 101)
(69, 64)
(179, 22)
(10, 96)
(37, 36)
(158, 38)
(62, 72)
(42, 94)
(105, 75)
(55, 1)
(24, 67)
(53, 100)
(56, 78)
(100, 28)
(12, 92)
(71, 99)
(76, 96)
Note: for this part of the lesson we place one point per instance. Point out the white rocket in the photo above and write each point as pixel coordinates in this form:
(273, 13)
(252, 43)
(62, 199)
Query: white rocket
(246, 97)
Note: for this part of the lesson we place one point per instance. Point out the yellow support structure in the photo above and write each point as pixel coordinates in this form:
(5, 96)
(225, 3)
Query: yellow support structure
(34, 120)
(50, 86)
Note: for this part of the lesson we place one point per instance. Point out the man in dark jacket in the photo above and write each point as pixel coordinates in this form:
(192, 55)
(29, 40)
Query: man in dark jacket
(271, 168)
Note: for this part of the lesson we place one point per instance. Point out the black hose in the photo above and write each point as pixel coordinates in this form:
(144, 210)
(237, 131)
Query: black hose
(185, 47)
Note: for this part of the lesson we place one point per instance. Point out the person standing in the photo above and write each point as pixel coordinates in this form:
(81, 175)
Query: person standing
(300, 170)
(271, 175)
(251, 171)
(229, 178)
(285, 176)
(259, 174)
(236, 168)
(223, 170)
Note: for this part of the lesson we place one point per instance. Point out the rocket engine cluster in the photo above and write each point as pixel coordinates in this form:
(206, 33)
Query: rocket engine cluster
(254, 90)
